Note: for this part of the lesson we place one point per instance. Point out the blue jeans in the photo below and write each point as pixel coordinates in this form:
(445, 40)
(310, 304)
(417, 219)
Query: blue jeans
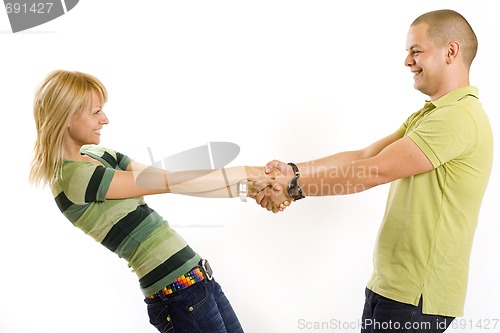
(381, 314)
(200, 308)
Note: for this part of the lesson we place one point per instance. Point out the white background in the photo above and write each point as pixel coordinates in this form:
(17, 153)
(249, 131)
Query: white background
(292, 80)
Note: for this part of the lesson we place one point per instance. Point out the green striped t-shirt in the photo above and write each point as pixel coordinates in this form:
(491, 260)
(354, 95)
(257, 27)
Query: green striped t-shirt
(128, 227)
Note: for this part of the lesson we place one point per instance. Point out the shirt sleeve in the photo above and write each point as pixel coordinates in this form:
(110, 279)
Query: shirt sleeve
(445, 134)
(402, 130)
(87, 182)
(123, 161)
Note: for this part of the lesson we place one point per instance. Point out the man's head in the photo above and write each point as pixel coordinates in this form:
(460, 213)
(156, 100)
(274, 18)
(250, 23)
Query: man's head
(444, 26)
(441, 46)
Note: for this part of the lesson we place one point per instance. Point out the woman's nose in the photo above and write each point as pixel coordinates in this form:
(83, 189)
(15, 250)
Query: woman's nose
(104, 118)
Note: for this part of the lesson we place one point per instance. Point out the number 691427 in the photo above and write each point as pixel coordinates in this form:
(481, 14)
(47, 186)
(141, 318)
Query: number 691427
(24, 8)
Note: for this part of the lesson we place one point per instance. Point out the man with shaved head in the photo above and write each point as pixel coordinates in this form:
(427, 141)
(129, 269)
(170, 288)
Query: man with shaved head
(438, 162)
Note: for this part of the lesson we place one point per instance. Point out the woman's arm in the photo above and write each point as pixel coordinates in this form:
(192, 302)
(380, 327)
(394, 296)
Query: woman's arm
(140, 179)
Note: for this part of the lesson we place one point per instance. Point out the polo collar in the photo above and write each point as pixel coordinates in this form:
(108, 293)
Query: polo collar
(456, 95)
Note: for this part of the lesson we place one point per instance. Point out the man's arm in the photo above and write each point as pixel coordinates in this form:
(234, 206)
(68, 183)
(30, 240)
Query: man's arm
(388, 159)
(336, 159)
(344, 158)
(381, 163)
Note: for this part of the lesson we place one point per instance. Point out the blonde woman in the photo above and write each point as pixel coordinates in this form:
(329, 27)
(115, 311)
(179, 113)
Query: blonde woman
(96, 188)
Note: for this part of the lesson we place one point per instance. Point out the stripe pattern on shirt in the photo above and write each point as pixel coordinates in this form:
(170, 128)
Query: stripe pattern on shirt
(127, 227)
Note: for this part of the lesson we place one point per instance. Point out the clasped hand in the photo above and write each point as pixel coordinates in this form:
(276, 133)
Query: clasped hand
(270, 189)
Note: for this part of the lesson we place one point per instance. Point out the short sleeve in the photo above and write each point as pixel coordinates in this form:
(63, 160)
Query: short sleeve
(123, 161)
(445, 134)
(402, 129)
(86, 182)
(113, 158)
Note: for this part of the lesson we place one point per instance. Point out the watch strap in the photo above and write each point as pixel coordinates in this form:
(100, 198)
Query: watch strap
(294, 168)
(294, 190)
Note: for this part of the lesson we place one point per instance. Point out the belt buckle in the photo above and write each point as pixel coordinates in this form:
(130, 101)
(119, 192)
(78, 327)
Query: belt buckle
(207, 270)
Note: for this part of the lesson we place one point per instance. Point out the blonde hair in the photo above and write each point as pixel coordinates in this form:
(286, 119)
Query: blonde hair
(59, 97)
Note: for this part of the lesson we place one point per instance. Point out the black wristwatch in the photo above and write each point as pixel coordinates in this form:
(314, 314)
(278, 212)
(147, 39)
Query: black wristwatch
(294, 190)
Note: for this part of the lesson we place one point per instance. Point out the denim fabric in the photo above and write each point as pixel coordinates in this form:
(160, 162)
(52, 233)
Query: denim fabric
(200, 308)
(381, 314)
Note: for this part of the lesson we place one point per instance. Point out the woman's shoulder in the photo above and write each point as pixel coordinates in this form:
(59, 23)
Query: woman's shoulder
(112, 157)
(97, 150)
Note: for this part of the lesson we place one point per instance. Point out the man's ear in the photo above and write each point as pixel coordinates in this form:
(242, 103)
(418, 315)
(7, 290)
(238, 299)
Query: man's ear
(452, 51)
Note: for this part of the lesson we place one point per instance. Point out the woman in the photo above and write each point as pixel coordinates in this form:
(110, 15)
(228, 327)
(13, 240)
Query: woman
(97, 189)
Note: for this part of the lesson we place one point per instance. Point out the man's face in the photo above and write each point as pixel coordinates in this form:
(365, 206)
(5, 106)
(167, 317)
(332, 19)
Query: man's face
(426, 61)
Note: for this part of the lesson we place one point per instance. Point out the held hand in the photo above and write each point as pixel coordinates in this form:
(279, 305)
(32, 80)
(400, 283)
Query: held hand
(280, 166)
(260, 180)
(274, 197)
(277, 192)
(267, 191)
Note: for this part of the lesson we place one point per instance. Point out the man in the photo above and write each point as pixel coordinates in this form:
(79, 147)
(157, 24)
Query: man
(439, 162)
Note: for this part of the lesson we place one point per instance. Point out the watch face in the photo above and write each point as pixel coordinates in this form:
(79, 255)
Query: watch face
(242, 186)
(294, 193)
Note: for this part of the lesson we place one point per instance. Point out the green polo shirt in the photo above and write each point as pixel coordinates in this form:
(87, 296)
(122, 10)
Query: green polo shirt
(425, 239)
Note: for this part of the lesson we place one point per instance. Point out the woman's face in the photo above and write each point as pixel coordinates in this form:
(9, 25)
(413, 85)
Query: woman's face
(85, 126)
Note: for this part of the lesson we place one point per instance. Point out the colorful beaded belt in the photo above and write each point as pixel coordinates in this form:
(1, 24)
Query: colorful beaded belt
(193, 276)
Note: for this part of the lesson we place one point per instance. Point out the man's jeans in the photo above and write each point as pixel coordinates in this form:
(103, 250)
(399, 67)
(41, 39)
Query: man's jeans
(381, 314)
(200, 308)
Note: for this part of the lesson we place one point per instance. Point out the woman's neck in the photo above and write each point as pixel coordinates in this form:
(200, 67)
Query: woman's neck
(71, 151)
